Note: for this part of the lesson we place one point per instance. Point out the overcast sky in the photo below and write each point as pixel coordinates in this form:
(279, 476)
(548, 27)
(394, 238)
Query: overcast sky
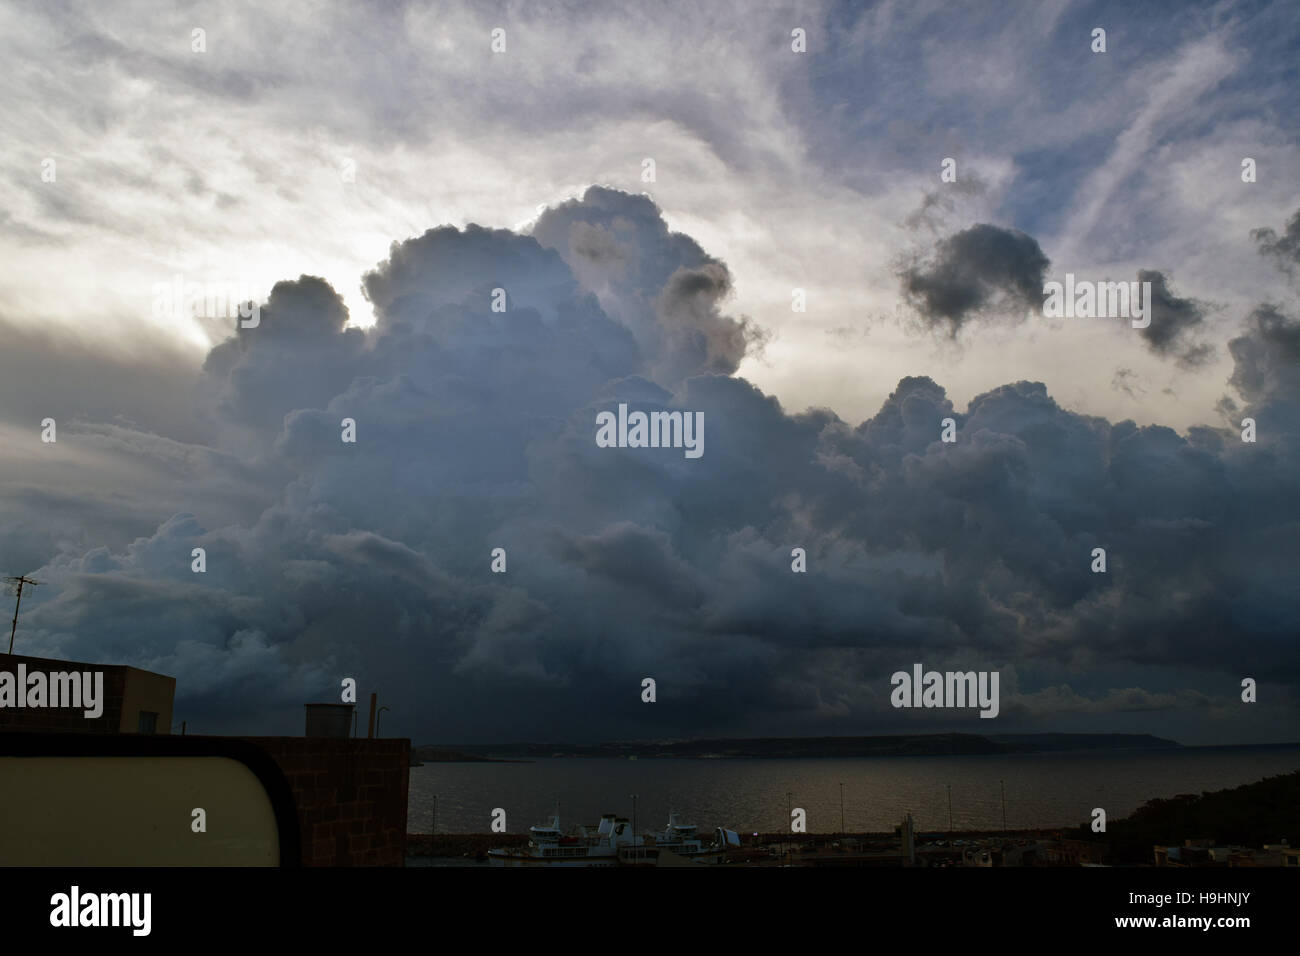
(368, 175)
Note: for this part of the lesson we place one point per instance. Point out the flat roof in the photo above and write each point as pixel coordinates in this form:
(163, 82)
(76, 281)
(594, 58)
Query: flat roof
(7, 661)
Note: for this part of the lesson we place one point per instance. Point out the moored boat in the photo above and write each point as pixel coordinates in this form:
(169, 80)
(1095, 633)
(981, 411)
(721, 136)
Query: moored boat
(612, 843)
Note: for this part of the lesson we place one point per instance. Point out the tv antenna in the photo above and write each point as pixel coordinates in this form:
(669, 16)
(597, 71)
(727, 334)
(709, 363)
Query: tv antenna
(18, 583)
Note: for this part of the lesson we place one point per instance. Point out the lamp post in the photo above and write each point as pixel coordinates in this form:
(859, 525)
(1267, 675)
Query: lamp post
(841, 809)
(435, 813)
(634, 819)
(949, 808)
(1003, 785)
(379, 714)
(789, 808)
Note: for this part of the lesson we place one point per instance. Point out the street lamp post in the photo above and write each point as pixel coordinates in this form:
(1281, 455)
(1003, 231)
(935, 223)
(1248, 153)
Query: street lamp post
(841, 809)
(379, 714)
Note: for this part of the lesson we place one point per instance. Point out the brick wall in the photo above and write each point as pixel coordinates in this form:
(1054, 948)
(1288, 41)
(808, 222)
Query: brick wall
(350, 795)
(66, 720)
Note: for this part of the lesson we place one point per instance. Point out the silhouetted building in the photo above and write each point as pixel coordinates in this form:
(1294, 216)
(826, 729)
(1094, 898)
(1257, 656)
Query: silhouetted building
(133, 701)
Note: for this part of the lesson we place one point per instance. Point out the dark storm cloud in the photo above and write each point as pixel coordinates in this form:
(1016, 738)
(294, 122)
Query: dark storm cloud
(639, 559)
(973, 271)
(1174, 323)
(986, 268)
(475, 431)
(1267, 357)
(1064, 700)
(1284, 249)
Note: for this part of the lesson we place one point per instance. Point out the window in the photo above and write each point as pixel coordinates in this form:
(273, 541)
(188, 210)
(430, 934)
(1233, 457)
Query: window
(148, 722)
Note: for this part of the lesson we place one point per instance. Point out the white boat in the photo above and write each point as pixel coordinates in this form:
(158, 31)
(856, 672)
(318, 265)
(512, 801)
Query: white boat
(612, 843)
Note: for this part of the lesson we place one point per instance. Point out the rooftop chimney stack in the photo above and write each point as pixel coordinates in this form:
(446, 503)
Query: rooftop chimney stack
(329, 720)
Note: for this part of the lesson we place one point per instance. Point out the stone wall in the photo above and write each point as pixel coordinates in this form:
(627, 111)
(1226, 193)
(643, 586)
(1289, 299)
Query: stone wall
(350, 795)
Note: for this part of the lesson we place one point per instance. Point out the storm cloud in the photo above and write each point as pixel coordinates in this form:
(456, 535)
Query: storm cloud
(1175, 323)
(973, 271)
(475, 430)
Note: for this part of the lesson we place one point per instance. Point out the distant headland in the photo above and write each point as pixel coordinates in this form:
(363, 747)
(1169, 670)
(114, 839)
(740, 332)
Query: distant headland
(918, 745)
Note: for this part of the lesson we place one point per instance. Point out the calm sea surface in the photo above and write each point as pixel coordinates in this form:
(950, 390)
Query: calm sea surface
(1042, 790)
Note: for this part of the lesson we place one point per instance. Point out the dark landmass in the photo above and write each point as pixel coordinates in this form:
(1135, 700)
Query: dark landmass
(1042, 743)
(883, 746)
(1251, 815)
(421, 755)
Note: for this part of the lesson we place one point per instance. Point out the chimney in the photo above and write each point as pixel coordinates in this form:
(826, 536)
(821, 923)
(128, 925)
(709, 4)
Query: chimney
(329, 720)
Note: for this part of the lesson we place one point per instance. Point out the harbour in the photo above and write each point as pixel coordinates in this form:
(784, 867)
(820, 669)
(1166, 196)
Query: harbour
(944, 793)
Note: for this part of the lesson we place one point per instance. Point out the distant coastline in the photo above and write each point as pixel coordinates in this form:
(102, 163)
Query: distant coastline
(786, 747)
(423, 755)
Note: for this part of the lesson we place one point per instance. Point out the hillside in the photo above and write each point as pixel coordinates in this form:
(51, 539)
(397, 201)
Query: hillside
(1267, 811)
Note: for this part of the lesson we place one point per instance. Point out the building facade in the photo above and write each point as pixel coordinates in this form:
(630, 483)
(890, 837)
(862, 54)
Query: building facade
(133, 701)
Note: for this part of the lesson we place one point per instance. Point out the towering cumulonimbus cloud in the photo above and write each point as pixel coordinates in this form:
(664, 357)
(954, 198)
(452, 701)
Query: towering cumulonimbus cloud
(658, 284)
(475, 430)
